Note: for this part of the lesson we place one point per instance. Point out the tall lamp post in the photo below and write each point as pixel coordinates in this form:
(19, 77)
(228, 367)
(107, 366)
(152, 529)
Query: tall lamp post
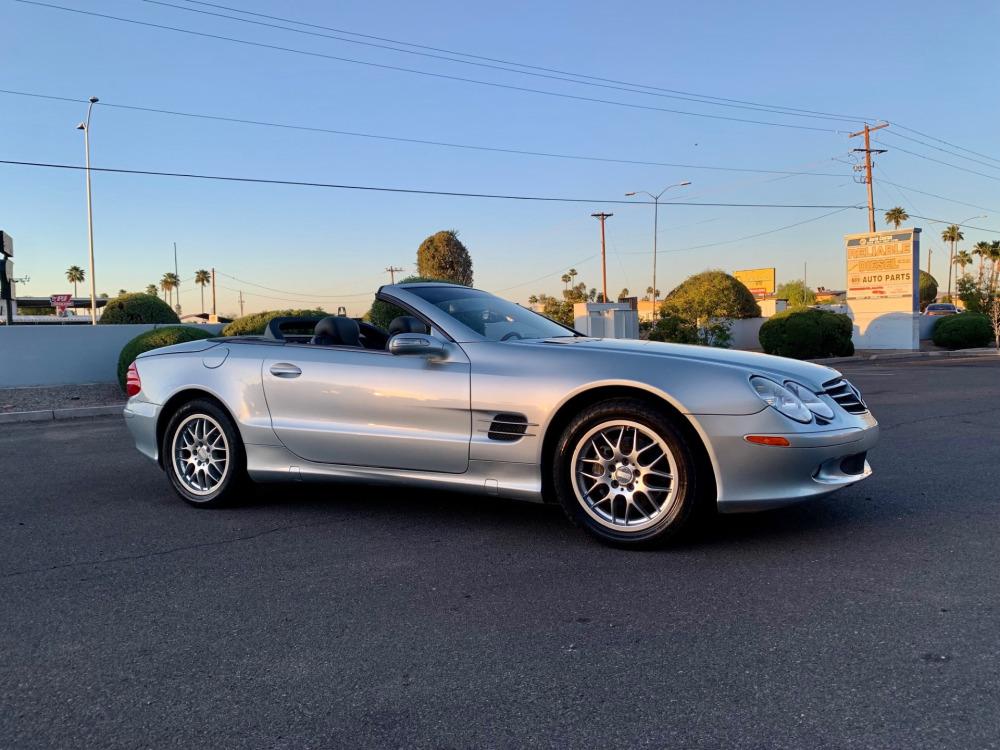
(85, 127)
(656, 212)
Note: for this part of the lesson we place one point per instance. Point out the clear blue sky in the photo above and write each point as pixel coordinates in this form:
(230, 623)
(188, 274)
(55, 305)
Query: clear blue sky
(933, 71)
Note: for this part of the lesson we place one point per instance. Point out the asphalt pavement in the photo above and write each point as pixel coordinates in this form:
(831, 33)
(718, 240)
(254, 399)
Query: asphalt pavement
(344, 616)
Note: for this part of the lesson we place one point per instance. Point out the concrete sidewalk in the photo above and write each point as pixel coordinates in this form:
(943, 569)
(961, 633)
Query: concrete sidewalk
(47, 403)
(895, 355)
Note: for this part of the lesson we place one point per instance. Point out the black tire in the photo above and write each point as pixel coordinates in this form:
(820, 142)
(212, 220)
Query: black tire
(661, 526)
(234, 478)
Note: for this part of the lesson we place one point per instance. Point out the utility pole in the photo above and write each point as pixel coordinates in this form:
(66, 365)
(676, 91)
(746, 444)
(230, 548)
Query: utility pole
(930, 252)
(602, 217)
(214, 314)
(805, 274)
(392, 271)
(868, 151)
(85, 127)
(241, 303)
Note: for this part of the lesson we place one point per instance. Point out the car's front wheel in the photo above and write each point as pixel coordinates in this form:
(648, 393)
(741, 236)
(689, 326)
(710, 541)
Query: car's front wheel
(625, 473)
(203, 455)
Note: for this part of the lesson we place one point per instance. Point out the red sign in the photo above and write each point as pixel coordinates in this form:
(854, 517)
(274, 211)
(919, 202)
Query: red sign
(60, 302)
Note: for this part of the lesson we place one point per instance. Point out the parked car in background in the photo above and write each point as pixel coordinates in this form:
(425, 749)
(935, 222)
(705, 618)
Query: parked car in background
(468, 391)
(941, 308)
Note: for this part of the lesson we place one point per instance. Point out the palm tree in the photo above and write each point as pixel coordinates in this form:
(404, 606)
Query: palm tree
(533, 299)
(566, 278)
(952, 235)
(122, 292)
(896, 216)
(623, 293)
(202, 278)
(168, 284)
(982, 249)
(994, 266)
(151, 289)
(75, 275)
(963, 259)
(572, 273)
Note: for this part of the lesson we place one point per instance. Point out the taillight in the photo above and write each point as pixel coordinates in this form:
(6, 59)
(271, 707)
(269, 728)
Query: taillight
(132, 383)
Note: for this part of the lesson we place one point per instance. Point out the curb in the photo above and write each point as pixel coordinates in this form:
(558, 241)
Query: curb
(50, 415)
(902, 356)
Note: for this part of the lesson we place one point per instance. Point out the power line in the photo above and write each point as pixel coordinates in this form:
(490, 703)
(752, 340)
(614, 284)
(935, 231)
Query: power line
(949, 221)
(747, 237)
(616, 87)
(286, 291)
(939, 161)
(414, 71)
(399, 139)
(547, 275)
(947, 143)
(773, 107)
(413, 191)
(944, 150)
(935, 195)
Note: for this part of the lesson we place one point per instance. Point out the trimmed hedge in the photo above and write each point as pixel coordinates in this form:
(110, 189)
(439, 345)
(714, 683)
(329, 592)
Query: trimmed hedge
(807, 334)
(963, 331)
(137, 307)
(156, 339)
(255, 323)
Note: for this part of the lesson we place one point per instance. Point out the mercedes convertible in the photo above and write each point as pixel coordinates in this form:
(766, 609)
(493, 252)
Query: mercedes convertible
(467, 391)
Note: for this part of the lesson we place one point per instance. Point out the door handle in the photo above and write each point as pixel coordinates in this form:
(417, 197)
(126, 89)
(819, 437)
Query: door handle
(285, 370)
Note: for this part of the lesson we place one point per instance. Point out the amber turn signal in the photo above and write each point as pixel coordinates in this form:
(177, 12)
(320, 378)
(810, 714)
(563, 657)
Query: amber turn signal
(767, 440)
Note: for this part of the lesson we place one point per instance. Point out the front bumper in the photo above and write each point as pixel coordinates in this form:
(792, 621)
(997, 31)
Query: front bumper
(140, 417)
(752, 477)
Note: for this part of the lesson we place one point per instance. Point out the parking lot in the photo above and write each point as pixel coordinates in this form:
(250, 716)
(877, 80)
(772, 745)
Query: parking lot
(349, 616)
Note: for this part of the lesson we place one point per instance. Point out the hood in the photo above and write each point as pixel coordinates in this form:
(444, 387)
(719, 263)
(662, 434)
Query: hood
(807, 373)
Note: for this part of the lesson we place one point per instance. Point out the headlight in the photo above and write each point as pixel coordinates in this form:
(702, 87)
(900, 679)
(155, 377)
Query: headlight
(782, 399)
(812, 402)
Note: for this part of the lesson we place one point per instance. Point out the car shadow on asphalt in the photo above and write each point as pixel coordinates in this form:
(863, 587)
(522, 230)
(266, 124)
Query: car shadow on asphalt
(535, 521)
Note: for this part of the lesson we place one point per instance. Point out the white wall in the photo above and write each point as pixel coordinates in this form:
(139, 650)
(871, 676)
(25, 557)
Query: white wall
(65, 355)
(745, 333)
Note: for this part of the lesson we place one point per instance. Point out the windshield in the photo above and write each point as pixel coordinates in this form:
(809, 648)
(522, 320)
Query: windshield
(494, 318)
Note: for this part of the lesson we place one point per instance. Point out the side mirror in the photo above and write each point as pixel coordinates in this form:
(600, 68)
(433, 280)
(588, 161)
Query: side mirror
(421, 344)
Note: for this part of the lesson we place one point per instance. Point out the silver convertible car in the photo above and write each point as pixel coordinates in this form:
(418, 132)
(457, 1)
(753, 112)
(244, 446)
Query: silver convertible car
(468, 391)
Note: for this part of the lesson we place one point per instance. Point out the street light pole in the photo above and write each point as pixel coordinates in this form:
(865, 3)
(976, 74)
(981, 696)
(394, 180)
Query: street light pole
(656, 221)
(85, 127)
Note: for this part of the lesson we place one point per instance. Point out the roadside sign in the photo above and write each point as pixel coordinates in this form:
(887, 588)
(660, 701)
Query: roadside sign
(60, 302)
(760, 281)
(883, 265)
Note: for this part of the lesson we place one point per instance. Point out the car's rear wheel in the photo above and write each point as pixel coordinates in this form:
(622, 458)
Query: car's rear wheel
(203, 455)
(626, 473)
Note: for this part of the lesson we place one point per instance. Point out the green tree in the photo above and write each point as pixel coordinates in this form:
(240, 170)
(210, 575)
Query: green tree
(928, 289)
(75, 275)
(168, 284)
(896, 216)
(151, 289)
(202, 278)
(122, 291)
(710, 300)
(952, 235)
(442, 256)
(797, 293)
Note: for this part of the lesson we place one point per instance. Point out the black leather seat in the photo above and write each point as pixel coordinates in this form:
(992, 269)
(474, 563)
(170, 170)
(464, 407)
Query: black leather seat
(407, 324)
(336, 330)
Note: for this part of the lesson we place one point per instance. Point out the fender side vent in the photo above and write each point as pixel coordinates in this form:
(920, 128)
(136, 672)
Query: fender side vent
(508, 427)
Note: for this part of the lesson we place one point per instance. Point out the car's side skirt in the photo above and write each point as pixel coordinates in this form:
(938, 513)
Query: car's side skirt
(517, 481)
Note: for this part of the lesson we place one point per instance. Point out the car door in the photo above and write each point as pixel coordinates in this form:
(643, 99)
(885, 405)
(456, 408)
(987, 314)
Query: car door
(361, 407)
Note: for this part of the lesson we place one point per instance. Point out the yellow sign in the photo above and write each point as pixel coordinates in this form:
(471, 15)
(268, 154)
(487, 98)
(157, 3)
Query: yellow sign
(760, 281)
(882, 265)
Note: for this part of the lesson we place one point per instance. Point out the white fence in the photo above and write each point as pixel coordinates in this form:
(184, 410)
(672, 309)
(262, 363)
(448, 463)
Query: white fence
(65, 355)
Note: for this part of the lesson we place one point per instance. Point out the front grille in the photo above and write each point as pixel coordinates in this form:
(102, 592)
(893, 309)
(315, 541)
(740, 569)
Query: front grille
(507, 427)
(845, 394)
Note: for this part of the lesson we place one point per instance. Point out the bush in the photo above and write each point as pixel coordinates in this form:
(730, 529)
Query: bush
(137, 308)
(675, 330)
(963, 331)
(156, 339)
(710, 295)
(807, 334)
(255, 323)
(443, 256)
(382, 313)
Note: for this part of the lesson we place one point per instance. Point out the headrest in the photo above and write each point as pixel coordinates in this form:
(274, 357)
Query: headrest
(336, 329)
(407, 324)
